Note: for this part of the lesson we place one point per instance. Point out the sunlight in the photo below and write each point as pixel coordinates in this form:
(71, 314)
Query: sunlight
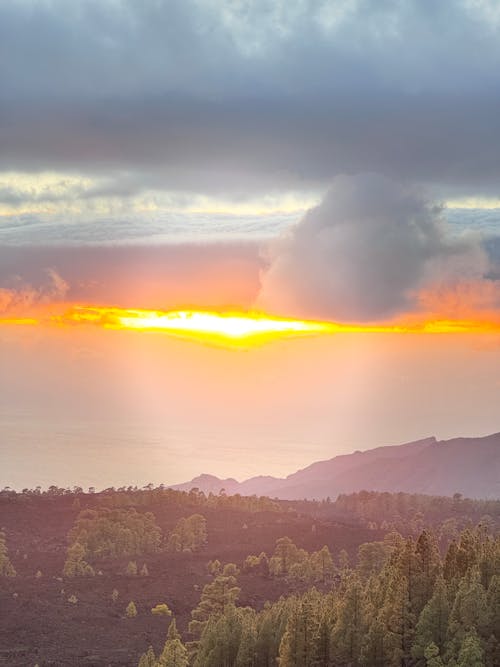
(241, 328)
(205, 325)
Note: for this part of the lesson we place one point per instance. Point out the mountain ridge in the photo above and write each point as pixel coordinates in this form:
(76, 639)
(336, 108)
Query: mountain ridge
(466, 465)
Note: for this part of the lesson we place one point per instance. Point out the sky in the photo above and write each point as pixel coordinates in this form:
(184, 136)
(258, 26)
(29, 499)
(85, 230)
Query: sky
(329, 161)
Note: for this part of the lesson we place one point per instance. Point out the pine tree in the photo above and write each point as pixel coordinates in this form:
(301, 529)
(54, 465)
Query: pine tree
(285, 555)
(131, 610)
(373, 652)
(215, 598)
(76, 565)
(432, 626)
(220, 641)
(492, 632)
(471, 653)
(148, 659)
(469, 612)
(326, 621)
(432, 657)
(174, 652)
(493, 605)
(344, 561)
(246, 650)
(397, 617)
(6, 567)
(263, 564)
(131, 568)
(214, 566)
(350, 626)
(267, 640)
(298, 647)
(189, 534)
(428, 566)
(322, 565)
(372, 556)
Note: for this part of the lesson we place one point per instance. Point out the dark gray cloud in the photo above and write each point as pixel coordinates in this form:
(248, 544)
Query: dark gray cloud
(366, 252)
(227, 97)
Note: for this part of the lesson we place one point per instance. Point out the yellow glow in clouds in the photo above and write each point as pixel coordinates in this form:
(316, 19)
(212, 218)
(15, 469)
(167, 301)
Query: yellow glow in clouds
(241, 328)
(202, 325)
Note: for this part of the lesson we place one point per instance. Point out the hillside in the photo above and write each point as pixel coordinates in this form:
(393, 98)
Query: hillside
(40, 624)
(470, 466)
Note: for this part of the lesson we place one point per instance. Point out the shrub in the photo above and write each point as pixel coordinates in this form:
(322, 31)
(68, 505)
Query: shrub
(131, 610)
(161, 610)
(132, 568)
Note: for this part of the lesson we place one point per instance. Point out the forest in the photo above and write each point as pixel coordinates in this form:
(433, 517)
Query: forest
(154, 577)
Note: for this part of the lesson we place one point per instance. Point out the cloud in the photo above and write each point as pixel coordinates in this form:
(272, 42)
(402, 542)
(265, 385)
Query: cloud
(462, 299)
(366, 252)
(235, 98)
(21, 297)
(214, 275)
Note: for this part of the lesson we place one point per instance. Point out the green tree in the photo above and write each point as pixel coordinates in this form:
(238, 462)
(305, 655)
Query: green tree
(247, 647)
(397, 616)
(6, 567)
(131, 610)
(214, 567)
(471, 653)
(131, 568)
(298, 647)
(161, 610)
(75, 564)
(344, 561)
(174, 652)
(372, 556)
(322, 565)
(469, 612)
(432, 657)
(350, 627)
(148, 659)
(220, 641)
(189, 534)
(116, 532)
(432, 626)
(285, 555)
(428, 566)
(215, 598)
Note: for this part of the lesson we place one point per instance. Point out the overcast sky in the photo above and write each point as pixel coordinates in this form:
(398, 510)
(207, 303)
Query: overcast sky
(138, 106)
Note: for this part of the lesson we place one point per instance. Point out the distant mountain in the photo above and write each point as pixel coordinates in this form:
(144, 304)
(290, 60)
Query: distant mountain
(470, 466)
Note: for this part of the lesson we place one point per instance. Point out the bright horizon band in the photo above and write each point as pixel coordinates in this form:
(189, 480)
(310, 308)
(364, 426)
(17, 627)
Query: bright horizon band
(236, 325)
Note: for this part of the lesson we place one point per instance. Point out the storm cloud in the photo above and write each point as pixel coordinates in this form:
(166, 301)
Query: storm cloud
(367, 251)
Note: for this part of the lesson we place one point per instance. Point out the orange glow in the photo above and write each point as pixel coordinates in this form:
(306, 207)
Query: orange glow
(209, 326)
(18, 320)
(241, 328)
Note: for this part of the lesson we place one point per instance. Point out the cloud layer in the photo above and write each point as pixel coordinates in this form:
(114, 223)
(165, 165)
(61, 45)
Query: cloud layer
(366, 252)
(237, 98)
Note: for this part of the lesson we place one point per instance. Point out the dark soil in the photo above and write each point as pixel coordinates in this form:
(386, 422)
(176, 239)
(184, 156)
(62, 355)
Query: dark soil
(38, 625)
